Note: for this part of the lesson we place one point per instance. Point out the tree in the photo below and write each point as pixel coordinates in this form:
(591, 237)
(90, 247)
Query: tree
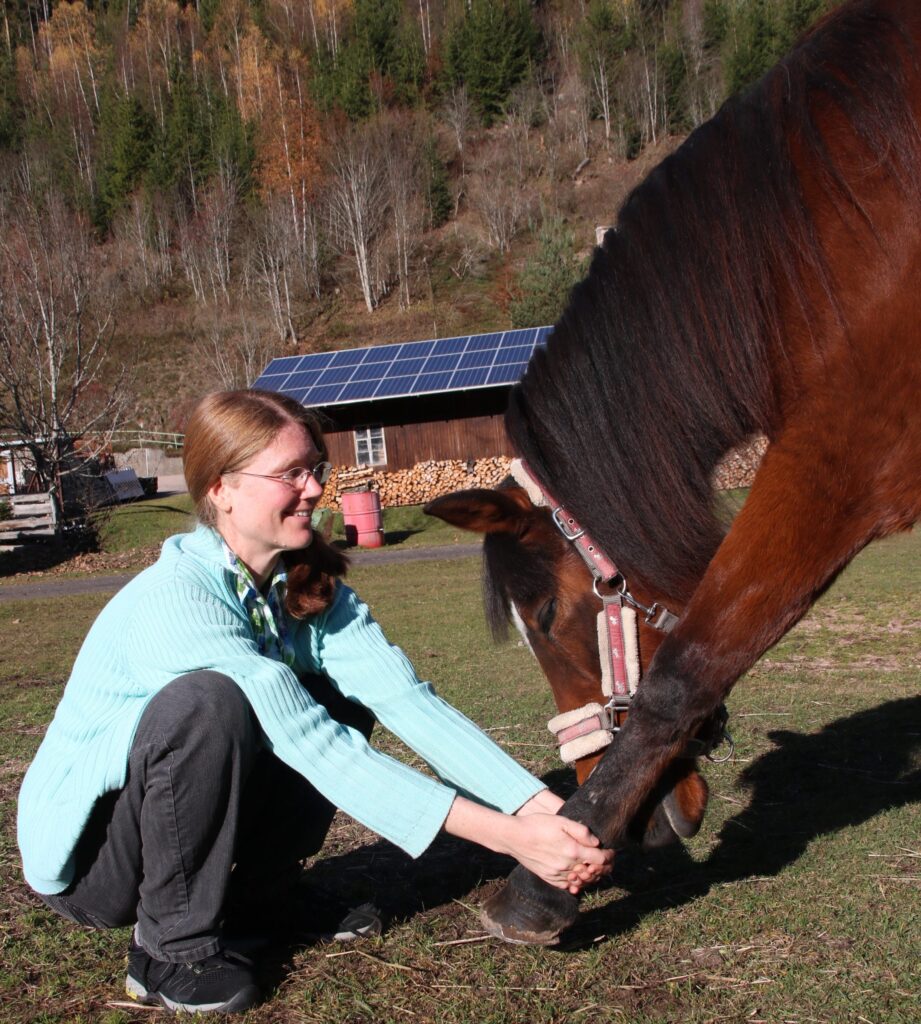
(233, 351)
(499, 197)
(547, 278)
(604, 38)
(127, 134)
(55, 332)
(755, 45)
(404, 162)
(457, 115)
(490, 50)
(357, 197)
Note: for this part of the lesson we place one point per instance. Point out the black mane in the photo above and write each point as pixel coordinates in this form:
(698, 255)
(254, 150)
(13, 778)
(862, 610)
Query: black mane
(662, 360)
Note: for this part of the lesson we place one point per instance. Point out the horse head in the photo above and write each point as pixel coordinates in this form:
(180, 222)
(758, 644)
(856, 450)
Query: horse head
(534, 578)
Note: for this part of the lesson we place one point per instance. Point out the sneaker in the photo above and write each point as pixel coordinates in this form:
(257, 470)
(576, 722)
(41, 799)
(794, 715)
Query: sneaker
(346, 924)
(222, 983)
(307, 914)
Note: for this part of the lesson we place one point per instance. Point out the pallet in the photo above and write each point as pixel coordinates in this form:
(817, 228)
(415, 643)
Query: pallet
(33, 516)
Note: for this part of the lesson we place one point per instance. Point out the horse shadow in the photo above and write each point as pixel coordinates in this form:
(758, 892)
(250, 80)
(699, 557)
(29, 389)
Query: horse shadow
(807, 786)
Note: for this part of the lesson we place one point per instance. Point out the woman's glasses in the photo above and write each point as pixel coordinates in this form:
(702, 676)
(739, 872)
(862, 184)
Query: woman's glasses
(296, 477)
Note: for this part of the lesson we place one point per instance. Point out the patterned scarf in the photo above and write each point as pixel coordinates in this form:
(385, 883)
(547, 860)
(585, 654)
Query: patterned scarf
(266, 613)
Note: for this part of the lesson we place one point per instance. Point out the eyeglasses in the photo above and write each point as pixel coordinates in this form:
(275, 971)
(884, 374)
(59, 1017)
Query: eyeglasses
(296, 477)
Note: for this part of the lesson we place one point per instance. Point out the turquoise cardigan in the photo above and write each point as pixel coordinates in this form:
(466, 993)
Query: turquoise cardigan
(183, 614)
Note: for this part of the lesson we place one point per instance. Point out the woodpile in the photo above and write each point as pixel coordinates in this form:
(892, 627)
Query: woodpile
(431, 479)
(425, 481)
(738, 467)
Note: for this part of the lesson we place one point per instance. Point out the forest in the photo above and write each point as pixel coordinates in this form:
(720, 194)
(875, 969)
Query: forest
(187, 189)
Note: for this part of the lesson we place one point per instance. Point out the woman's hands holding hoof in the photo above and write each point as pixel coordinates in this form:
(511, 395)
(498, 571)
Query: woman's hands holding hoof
(561, 852)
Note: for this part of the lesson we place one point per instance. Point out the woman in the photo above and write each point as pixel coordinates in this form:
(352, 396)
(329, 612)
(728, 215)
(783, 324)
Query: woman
(218, 713)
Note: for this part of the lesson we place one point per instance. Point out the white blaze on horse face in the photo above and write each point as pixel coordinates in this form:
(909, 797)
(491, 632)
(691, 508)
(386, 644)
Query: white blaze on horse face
(520, 626)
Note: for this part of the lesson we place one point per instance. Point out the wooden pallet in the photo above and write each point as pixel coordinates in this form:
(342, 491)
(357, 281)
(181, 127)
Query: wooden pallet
(33, 516)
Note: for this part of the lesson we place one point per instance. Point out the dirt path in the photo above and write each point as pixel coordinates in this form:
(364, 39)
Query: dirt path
(66, 587)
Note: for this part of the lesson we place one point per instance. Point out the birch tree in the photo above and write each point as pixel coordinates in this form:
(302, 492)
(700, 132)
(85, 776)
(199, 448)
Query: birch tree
(404, 153)
(356, 194)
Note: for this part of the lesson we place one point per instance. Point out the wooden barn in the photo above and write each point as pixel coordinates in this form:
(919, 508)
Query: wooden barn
(392, 407)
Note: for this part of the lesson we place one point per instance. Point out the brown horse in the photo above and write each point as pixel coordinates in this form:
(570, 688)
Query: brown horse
(765, 278)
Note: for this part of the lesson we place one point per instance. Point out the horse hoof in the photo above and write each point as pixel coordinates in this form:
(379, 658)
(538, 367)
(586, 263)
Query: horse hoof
(530, 919)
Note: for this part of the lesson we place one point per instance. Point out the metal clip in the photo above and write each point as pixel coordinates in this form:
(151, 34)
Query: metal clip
(561, 526)
(725, 738)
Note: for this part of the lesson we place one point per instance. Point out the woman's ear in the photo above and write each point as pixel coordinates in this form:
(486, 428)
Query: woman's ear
(220, 495)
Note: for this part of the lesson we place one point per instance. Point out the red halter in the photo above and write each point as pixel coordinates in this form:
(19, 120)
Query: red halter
(592, 727)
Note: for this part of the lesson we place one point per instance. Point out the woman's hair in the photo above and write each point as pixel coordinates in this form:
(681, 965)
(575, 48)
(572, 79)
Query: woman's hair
(226, 430)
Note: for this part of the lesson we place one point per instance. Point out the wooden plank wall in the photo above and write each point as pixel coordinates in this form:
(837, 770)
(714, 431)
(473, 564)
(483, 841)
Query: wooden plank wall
(476, 437)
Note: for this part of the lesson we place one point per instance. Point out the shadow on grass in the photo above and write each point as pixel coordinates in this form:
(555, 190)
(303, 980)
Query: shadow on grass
(398, 536)
(35, 556)
(809, 785)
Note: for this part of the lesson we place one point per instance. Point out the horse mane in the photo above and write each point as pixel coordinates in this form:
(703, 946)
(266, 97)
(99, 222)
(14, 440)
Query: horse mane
(661, 361)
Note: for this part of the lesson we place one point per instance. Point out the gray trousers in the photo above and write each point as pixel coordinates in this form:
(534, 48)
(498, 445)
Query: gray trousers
(206, 812)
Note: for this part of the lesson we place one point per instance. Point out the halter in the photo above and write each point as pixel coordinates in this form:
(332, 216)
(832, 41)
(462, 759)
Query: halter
(592, 727)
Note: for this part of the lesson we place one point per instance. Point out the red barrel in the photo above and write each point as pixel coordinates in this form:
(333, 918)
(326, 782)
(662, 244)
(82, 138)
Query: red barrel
(361, 511)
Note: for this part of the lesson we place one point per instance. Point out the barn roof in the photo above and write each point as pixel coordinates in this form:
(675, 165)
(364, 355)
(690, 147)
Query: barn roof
(396, 371)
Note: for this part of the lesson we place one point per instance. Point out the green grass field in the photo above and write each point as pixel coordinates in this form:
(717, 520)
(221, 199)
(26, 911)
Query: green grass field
(144, 523)
(800, 900)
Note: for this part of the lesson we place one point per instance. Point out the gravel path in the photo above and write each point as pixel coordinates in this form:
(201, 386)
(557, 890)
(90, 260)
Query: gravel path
(109, 584)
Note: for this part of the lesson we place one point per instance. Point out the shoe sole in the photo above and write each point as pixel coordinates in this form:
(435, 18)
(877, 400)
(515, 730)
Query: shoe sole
(242, 1000)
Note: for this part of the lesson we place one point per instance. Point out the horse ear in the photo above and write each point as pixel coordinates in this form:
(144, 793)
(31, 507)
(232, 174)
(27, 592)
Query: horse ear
(505, 511)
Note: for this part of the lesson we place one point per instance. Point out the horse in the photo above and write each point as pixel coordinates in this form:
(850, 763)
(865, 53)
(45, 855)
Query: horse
(764, 279)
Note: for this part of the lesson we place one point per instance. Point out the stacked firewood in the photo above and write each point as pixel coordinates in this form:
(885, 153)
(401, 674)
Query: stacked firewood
(423, 482)
(431, 479)
(738, 467)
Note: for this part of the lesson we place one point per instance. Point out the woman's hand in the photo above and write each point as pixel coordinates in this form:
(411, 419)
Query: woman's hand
(562, 852)
(544, 802)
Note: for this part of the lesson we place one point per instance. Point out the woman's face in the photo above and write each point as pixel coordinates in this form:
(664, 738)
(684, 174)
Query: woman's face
(260, 517)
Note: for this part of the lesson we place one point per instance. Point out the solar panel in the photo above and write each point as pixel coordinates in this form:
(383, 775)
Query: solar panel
(402, 370)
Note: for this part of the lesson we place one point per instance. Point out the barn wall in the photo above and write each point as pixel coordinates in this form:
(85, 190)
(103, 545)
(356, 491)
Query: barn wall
(464, 425)
(467, 439)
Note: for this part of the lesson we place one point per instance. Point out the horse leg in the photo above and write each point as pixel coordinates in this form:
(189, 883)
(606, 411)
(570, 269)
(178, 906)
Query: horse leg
(808, 514)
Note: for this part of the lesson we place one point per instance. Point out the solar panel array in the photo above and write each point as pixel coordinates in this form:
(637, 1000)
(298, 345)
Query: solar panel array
(412, 368)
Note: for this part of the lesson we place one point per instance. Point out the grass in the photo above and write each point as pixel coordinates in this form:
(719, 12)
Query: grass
(143, 524)
(798, 901)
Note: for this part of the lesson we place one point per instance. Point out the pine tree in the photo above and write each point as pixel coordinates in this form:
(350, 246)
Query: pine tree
(795, 17)
(126, 136)
(11, 114)
(490, 50)
(755, 48)
(547, 278)
(440, 203)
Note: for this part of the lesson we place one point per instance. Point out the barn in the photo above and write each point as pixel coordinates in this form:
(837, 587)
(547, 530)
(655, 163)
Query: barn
(405, 410)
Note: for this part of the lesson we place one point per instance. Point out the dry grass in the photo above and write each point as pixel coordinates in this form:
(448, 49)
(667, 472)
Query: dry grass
(799, 900)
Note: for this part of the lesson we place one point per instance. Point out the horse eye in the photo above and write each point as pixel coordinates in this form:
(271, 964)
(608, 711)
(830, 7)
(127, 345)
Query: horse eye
(546, 615)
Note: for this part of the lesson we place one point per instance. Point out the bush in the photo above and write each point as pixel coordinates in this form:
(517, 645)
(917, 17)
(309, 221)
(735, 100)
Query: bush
(547, 278)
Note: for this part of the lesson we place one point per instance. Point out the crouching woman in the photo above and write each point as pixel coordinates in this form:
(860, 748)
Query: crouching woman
(219, 712)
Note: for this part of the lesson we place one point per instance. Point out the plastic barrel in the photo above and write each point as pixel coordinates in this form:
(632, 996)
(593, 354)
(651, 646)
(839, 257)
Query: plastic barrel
(361, 511)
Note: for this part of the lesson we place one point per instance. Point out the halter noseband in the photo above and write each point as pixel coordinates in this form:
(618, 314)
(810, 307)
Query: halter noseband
(591, 728)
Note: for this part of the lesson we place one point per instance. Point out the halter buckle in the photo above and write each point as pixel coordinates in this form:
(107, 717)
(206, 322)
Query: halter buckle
(570, 535)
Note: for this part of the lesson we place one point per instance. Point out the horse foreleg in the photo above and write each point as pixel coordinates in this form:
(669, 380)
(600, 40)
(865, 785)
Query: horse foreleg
(803, 521)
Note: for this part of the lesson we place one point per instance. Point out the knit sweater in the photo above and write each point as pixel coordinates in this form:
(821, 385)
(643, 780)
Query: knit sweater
(183, 614)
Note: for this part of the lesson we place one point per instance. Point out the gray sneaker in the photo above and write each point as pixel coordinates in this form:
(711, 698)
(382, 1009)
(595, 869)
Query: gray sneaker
(354, 923)
(222, 983)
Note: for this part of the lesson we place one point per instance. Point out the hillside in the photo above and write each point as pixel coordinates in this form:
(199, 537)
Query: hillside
(195, 188)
